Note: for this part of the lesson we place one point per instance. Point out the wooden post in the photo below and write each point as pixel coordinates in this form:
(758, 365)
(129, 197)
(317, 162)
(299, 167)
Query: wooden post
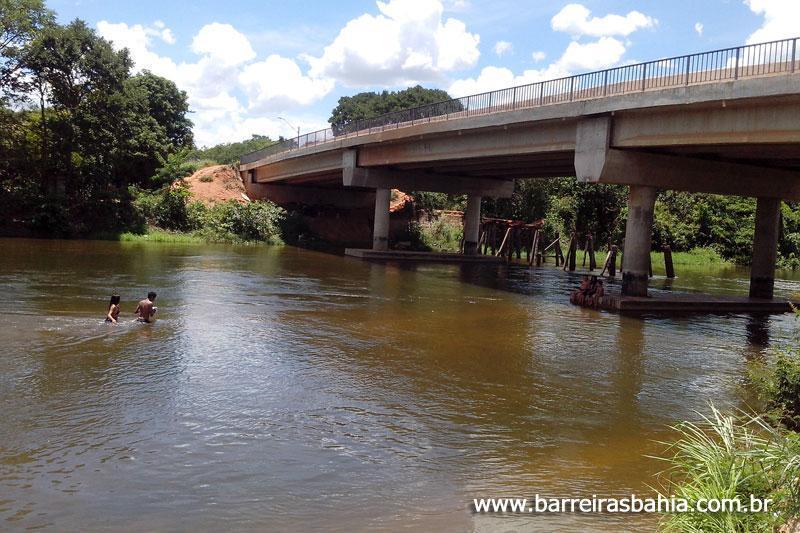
(572, 252)
(590, 246)
(606, 263)
(534, 247)
(612, 266)
(650, 264)
(559, 252)
(585, 249)
(503, 244)
(569, 251)
(668, 262)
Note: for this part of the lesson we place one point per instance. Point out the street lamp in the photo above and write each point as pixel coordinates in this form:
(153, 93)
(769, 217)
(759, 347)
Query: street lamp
(291, 126)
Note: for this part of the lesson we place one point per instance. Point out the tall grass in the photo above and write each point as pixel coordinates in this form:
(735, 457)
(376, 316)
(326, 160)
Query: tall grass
(728, 457)
(441, 235)
(159, 235)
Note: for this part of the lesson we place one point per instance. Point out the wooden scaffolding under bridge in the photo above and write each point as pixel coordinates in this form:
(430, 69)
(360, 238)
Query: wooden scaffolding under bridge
(509, 238)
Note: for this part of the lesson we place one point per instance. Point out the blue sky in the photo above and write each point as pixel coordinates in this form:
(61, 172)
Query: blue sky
(244, 63)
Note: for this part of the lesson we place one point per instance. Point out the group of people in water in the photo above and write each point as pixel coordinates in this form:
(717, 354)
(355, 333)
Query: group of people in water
(145, 311)
(589, 294)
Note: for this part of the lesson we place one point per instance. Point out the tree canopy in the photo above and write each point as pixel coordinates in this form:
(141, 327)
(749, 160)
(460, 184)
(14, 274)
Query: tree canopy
(20, 22)
(81, 128)
(351, 109)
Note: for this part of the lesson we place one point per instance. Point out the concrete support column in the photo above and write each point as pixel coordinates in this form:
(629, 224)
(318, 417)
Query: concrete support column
(380, 232)
(765, 247)
(472, 224)
(638, 234)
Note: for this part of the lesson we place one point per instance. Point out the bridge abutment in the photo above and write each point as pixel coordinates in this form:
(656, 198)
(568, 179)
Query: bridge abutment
(765, 247)
(380, 232)
(472, 224)
(638, 234)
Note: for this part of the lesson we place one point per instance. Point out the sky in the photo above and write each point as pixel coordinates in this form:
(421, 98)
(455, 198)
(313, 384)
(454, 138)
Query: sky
(263, 67)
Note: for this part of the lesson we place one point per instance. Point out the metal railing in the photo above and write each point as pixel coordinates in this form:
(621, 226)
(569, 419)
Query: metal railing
(727, 64)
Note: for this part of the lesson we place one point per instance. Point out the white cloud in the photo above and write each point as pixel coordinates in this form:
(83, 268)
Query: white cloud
(408, 41)
(501, 47)
(138, 39)
(698, 27)
(228, 93)
(277, 83)
(223, 43)
(600, 54)
(780, 19)
(574, 20)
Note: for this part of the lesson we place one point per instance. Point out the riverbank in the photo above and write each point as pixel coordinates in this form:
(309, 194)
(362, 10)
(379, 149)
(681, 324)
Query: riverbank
(154, 234)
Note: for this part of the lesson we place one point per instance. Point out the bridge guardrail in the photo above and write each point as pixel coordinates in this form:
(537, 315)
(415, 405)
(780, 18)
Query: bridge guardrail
(746, 61)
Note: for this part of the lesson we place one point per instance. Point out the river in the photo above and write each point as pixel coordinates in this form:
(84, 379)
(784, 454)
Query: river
(286, 389)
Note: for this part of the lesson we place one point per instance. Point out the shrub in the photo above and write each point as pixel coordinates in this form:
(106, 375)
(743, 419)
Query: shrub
(729, 457)
(777, 384)
(174, 168)
(440, 235)
(166, 208)
(253, 221)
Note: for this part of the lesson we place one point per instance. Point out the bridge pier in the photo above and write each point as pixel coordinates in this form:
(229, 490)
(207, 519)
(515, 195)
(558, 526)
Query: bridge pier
(380, 231)
(472, 224)
(638, 235)
(765, 247)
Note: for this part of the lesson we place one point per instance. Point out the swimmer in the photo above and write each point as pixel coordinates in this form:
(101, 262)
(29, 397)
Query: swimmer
(113, 309)
(146, 310)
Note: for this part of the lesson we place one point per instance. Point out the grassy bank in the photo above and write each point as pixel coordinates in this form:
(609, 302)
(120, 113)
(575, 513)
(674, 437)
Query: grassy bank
(696, 257)
(159, 235)
(738, 455)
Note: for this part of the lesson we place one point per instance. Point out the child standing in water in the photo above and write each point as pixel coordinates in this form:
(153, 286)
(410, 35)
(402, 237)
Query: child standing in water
(146, 310)
(113, 309)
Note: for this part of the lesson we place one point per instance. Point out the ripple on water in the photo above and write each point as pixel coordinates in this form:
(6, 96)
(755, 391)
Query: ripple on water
(331, 393)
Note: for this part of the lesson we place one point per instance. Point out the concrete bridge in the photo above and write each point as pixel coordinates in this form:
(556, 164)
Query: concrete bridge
(724, 122)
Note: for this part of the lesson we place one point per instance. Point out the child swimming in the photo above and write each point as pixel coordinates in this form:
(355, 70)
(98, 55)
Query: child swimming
(113, 309)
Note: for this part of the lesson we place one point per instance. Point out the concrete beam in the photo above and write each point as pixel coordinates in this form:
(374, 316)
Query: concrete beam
(673, 100)
(592, 140)
(315, 164)
(687, 174)
(747, 123)
(543, 137)
(286, 194)
(379, 178)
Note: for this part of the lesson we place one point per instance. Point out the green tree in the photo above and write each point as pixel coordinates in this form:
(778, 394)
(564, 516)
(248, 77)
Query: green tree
(153, 125)
(229, 153)
(166, 104)
(84, 78)
(20, 22)
(351, 109)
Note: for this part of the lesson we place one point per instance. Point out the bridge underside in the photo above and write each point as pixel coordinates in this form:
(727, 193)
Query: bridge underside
(738, 138)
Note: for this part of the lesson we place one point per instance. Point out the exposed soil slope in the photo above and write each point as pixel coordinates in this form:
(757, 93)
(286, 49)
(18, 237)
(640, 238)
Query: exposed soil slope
(215, 184)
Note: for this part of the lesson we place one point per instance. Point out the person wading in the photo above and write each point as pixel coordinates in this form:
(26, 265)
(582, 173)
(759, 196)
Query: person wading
(113, 309)
(146, 310)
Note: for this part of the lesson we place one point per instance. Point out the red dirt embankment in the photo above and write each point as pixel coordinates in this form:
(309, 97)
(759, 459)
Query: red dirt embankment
(215, 184)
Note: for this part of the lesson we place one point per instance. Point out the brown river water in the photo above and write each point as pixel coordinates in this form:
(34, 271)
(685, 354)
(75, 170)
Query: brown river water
(283, 389)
